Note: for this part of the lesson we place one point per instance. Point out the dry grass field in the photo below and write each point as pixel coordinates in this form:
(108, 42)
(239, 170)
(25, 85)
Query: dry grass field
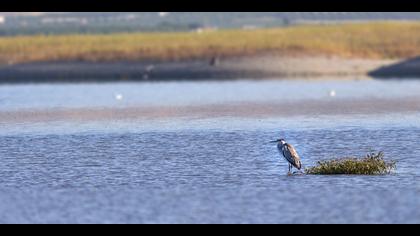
(379, 40)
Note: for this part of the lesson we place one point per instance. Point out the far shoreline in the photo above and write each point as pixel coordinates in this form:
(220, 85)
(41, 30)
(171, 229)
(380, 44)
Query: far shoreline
(233, 68)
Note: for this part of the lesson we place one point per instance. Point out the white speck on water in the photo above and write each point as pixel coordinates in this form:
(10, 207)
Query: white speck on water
(332, 93)
(119, 97)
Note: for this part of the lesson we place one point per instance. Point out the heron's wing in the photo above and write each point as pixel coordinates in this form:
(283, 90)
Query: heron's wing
(292, 151)
(291, 155)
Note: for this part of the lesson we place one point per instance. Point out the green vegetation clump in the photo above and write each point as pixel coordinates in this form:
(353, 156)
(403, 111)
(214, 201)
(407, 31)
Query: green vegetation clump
(372, 164)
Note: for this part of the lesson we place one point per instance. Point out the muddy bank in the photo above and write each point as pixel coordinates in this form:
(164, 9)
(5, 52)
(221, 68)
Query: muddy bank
(261, 67)
(409, 68)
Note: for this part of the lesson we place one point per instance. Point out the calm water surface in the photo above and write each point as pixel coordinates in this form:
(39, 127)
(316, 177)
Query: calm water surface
(206, 168)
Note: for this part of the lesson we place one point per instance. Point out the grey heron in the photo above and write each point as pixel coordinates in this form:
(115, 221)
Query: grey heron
(289, 153)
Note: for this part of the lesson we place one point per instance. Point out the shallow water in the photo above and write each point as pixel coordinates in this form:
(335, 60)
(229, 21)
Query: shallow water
(204, 167)
(44, 96)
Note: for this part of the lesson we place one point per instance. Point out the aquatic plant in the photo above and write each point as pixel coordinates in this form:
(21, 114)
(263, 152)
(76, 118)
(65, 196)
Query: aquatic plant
(372, 164)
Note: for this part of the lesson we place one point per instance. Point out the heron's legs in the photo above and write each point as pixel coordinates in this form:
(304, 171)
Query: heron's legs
(290, 168)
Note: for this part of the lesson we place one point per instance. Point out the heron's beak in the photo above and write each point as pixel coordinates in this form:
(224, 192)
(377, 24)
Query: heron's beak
(274, 141)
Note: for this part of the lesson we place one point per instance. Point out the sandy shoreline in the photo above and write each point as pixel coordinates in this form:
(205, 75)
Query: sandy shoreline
(257, 67)
(368, 106)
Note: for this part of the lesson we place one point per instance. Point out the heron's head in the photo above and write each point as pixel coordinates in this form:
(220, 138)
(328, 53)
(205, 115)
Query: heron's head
(282, 141)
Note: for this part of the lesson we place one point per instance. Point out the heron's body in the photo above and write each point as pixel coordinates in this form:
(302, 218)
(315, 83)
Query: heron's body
(289, 153)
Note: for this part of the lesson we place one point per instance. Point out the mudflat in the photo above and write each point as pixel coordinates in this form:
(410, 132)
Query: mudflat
(250, 67)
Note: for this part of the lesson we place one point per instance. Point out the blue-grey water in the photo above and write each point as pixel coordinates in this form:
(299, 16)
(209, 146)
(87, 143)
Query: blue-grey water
(208, 164)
